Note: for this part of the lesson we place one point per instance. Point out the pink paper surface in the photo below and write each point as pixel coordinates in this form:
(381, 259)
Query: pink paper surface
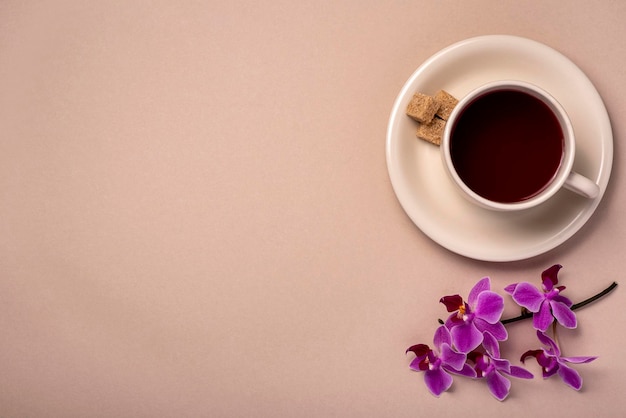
(196, 217)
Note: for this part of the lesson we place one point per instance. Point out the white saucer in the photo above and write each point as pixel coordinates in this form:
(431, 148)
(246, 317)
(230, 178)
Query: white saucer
(429, 197)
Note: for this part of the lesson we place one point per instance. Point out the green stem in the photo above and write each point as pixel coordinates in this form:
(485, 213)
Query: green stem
(579, 305)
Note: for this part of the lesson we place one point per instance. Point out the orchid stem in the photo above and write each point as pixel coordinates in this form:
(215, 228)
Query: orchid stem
(555, 336)
(579, 305)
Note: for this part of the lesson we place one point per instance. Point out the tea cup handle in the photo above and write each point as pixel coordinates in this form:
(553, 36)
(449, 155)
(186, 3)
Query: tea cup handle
(581, 185)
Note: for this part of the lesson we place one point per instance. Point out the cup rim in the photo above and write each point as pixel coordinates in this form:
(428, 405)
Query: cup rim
(567, 160)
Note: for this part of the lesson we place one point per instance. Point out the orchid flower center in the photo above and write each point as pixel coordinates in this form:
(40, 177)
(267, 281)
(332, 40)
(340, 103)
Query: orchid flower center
(552, 294)
(550, 366)
(488, 366)
(461, 313)
(434, 363)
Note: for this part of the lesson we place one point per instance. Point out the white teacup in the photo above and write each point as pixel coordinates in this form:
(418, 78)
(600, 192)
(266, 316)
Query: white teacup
(509, 145)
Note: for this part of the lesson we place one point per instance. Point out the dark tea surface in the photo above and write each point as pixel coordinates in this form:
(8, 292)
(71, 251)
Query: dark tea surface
(507, 146)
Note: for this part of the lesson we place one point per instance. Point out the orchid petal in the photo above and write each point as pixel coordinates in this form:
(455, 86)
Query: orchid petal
(549, 277)
(420, 350)
(498, 385)
(452, 303)
(520, 373)
(543, 318)
(442, 336)
(510, 288)
(483, 285)
(545, 340)
(579, 359)
(453, 320)
(452, 358)
(467, 371)
(437, 381)
(570, 377)
(418, 364)
(497, 330)
(489, 306)
(562, 299)
(563, 314)
(528, 296)
(466, 337)
(501, 364)
(491, 345)
(531, 353)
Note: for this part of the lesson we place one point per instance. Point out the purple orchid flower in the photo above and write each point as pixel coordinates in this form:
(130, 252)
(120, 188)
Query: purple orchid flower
(552, 363)
(494, 369)
(472, 319)
(546, 305)
(437, 365)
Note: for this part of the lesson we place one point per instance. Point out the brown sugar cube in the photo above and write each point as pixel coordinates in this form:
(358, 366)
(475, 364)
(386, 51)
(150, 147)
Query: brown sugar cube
(422, 108)
(431, 132)
(447, 102)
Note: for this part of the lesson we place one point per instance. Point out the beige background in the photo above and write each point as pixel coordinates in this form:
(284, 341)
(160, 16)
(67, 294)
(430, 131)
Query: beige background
(196, 217)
